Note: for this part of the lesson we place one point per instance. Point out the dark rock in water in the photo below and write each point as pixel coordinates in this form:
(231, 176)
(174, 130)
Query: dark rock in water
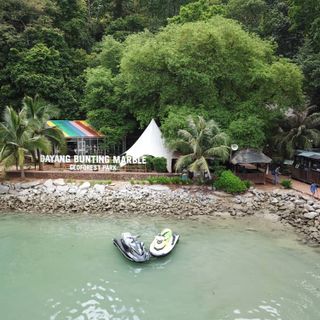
(251, 230)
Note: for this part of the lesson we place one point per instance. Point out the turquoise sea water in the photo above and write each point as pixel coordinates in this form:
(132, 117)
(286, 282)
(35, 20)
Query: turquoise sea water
(67, 268)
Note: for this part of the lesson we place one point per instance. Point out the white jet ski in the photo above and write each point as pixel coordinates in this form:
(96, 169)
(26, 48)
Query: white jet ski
(163, 243)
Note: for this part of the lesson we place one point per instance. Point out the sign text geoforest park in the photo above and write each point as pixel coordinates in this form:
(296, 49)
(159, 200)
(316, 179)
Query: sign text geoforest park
(92, 162)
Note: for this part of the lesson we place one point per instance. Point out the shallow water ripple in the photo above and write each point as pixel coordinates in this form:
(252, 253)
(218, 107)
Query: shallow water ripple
(99, 302)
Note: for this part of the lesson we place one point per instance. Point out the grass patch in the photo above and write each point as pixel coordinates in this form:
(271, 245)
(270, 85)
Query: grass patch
(286, 183)
(105, 182)
(70, 180)
(162, 180)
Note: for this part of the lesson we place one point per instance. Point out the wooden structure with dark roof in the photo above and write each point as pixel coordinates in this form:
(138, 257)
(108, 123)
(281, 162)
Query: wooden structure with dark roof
(251, 164)
(306, 166)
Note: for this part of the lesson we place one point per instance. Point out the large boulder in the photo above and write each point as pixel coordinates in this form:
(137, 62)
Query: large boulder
(59, 182)
(28, 185)
(4, 189)
(50, 189)
(81, 193)
(100, 188)
(73, 190)
(311, 215)
(48, 183)
(85, 186)
(159, 188)
(62, 189)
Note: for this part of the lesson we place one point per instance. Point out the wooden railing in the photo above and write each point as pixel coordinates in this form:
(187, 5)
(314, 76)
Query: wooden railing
(306, 175)
(255, 177)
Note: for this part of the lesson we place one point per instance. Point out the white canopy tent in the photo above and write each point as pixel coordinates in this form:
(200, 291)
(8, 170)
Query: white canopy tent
(151, 143)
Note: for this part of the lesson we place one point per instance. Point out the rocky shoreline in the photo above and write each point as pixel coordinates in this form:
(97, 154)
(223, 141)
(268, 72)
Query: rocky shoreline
(56, 196)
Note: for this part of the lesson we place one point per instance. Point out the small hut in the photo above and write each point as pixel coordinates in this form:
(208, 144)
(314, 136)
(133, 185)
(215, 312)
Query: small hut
(252, 165)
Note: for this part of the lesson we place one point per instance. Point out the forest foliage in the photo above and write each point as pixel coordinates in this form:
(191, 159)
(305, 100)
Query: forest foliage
(120, 63)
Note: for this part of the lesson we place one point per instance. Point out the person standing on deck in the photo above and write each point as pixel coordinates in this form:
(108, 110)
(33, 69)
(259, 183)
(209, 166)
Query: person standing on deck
(276, 175)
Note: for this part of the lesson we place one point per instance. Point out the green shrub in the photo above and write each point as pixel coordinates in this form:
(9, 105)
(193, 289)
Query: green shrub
(217, 168)
(230, 183)
(159, 164)
(159, 180)
(286, 183)
(149, 163)
(248, 183)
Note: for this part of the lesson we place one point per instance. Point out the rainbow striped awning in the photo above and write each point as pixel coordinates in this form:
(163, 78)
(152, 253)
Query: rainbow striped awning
(75, 129)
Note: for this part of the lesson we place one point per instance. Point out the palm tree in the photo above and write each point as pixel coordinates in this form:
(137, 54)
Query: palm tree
(299, 130)
(17, 139)
(200, 141)
(38, 113)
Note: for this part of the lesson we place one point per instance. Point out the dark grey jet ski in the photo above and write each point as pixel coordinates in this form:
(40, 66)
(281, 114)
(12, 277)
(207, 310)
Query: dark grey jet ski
(131, 248)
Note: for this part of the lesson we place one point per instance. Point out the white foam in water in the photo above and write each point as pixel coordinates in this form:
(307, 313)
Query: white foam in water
(270, 310)
(266, 311)
(99, 296)
(89, 302)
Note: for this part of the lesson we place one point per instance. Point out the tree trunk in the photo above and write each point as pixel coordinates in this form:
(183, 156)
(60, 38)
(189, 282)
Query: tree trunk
(22, 172)
(118, 9)
(39, 162)
(35, 161)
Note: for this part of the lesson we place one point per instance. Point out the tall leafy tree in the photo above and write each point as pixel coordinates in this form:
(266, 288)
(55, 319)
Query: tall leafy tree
(17, 139)
(305, 17)
(200, 141)
(199, 10)
(37, 54)
(248, 132)
(212, 64)
(299, 130)
(38, 113)
(72, 18)
(249, 12)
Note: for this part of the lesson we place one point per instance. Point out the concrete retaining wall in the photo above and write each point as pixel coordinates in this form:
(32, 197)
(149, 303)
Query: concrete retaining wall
(94, 175)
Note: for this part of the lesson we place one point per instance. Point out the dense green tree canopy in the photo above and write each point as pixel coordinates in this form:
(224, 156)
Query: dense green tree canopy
(248, 132)
(306, 22)
(44, 44)
(212, 64)
(119, 63)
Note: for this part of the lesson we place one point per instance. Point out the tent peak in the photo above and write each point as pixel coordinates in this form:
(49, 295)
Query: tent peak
(151, 143)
